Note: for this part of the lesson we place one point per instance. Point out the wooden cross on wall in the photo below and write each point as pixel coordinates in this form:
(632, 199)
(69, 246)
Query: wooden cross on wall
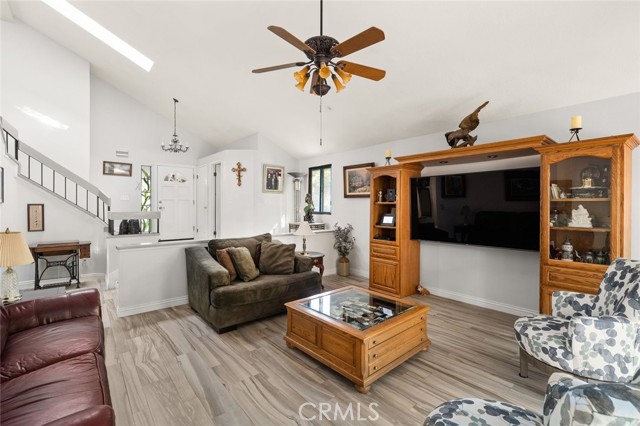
(238, 171)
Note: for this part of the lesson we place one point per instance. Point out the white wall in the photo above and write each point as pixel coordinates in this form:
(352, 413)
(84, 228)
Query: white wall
(246, 210)
(62, 222)
(499, 278)
(46, 78)
(118, 122)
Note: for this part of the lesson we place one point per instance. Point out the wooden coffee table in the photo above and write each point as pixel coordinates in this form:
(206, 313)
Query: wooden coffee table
(356, 332)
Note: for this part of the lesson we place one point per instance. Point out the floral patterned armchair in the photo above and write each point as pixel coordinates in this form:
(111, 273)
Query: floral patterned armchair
(597, 337)
(568, 401)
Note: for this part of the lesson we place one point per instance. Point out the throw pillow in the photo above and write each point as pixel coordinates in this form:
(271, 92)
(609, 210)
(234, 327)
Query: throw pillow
(277, 258)
(252, 243)
(302, 264)
(225, 260)
(242, 260)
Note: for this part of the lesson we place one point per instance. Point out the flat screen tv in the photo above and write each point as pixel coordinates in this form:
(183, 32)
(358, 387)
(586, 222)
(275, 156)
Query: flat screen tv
(494, 208)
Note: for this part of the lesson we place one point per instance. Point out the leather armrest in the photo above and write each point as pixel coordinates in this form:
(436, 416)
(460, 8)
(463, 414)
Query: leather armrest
(33, 313)
(100, 415)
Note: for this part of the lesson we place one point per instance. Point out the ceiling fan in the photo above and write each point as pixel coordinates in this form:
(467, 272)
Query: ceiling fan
(321, 51)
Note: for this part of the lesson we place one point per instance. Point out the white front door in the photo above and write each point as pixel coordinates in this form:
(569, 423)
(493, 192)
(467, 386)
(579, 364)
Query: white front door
(176, 202)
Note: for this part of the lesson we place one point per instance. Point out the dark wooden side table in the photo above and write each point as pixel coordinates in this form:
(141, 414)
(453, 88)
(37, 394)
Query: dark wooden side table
(75, 250)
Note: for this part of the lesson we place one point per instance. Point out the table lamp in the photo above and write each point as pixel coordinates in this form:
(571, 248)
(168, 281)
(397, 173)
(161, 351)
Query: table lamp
(304, 230)
(13, 251)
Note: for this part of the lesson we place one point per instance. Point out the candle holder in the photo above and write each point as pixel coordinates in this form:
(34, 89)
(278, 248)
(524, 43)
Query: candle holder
(387, 163)
(574, 132)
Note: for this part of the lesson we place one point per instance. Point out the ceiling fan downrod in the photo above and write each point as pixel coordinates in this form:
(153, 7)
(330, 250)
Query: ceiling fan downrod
(321, 18)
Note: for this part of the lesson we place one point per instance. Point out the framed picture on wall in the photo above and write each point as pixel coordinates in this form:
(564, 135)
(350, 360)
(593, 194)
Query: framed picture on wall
(113, 168)
(453, 186)
(357, 182)
(272, 178)
(35, 217)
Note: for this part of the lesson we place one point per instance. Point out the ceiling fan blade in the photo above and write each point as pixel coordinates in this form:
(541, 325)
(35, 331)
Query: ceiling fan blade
(278, 67)
(314, 80)
(362, 70)
(291, 39)
(359, 41)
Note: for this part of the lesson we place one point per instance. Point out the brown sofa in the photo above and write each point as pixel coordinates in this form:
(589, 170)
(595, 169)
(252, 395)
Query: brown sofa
(224, 303)
(52, 369)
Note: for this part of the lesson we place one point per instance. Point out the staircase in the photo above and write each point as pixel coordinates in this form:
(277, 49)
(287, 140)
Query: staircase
(45, 173)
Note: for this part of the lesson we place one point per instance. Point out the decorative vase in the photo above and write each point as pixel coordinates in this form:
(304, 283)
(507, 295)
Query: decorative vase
(343, 266)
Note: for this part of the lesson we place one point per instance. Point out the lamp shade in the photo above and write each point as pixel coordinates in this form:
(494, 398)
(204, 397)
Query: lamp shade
(304, 229)
(14, 249)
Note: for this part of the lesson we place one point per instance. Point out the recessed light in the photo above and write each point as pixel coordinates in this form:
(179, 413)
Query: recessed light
(101, 33)
(443, 162)
(492, 156)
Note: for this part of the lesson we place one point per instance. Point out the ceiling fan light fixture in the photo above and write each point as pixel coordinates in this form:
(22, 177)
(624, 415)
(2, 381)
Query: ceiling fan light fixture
(321, 88)
(300, 75)
(338, 84)
(324, 72)
(345, 76)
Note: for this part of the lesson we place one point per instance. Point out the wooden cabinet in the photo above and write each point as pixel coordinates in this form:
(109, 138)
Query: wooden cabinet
(585, 207)
(394, 261)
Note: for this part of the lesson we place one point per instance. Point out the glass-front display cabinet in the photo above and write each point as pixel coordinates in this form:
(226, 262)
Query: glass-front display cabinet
(394, 258)
(585, 213)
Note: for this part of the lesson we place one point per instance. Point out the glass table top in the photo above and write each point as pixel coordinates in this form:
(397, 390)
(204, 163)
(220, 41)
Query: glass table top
(357, 308)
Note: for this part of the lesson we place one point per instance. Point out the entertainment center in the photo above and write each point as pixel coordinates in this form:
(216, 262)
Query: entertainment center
(594, 174)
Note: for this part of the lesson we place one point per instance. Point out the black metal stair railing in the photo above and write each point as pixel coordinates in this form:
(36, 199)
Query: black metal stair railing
(41, 171)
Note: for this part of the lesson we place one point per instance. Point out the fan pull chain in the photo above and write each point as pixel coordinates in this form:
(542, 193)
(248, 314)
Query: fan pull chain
(320, 120)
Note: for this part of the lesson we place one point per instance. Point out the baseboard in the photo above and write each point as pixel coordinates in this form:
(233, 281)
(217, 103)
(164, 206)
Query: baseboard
(360, 272)
(478, 301)
(152, 306)
(29, 284)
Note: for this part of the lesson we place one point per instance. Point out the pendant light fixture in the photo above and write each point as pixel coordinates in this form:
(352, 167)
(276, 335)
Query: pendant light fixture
(175, 145)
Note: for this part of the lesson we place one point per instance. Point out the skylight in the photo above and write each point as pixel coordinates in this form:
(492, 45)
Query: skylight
(101, 33)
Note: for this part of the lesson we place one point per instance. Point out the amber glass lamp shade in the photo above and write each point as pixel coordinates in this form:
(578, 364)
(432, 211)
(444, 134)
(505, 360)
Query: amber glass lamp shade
(345, 76)
(324, 72)
(303, 82)
(336, 81)
(300, 75)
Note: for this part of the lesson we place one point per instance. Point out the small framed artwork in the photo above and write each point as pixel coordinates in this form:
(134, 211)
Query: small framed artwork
(388, 220)
(453, 186)
(524, 185)
(35, 217)
(357, 181)
(272, 178)
(113, 168)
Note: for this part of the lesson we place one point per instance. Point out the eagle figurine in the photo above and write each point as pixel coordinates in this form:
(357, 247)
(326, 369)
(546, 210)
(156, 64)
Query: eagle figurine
(461, 137)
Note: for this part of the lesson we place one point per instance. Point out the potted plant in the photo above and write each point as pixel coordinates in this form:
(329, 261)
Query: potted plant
(344, 242)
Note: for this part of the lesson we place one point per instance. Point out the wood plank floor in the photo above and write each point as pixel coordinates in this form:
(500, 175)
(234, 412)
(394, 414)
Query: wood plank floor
(169, 367)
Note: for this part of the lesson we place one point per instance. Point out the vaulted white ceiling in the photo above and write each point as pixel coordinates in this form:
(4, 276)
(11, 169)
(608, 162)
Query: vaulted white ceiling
(442, 60)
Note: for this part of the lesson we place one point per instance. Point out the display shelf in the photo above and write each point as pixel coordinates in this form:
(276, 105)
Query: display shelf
(575, 229)
(578, 200)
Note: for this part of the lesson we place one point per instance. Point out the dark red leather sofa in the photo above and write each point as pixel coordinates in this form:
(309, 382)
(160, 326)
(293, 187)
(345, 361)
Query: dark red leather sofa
(52, 369)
